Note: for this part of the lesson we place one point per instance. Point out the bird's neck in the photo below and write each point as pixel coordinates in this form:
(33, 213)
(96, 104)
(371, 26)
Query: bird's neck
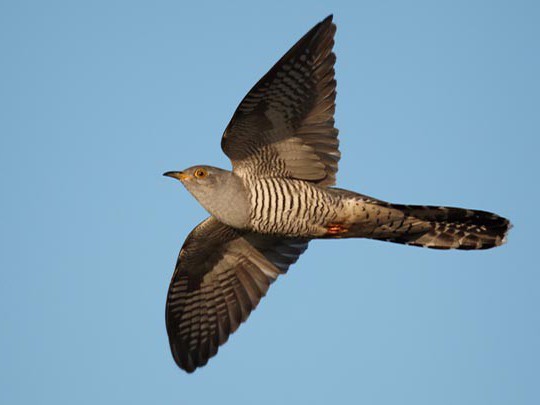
(229, 203)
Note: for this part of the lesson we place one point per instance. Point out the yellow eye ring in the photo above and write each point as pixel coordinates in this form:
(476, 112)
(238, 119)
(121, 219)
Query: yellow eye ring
(200, 173)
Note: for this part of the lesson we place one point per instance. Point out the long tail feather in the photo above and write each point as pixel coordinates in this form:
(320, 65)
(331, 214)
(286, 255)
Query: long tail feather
(451, 228)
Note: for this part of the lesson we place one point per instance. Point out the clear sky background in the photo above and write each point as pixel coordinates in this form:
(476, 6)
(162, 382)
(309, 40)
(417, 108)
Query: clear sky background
(438, 103)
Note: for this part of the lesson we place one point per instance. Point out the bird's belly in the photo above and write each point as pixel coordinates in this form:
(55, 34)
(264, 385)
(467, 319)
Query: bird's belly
(289, 208)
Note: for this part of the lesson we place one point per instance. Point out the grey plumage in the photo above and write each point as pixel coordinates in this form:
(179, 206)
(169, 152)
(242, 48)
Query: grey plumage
(284, 151)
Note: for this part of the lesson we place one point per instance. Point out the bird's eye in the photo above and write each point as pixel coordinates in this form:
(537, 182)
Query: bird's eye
(200, 173)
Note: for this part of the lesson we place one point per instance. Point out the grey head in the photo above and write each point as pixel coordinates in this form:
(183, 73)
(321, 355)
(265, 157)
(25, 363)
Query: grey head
(219, 191)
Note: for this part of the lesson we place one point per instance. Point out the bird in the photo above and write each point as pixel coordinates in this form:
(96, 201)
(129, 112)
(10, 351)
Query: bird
(279, 196)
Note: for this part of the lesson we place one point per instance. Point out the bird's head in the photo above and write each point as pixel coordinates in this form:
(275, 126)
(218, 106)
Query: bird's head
(200, 180)
(220, 191)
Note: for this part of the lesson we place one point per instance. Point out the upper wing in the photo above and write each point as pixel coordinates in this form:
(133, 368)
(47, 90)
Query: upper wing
(220, 277)
(285, 124)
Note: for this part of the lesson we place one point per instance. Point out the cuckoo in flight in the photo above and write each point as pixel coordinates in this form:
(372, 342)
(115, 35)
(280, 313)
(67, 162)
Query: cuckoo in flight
(279, 195)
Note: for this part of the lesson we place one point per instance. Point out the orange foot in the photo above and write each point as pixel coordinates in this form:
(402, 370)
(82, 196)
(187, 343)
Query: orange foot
(336, 229)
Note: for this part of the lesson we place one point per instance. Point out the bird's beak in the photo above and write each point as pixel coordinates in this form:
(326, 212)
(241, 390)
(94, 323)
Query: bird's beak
(177, 175)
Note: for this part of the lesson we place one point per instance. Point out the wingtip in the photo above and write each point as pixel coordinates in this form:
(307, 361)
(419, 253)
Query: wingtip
(328, 25)
(327, 20)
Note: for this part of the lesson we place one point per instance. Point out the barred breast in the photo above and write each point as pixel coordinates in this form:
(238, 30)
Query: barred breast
(290, 207)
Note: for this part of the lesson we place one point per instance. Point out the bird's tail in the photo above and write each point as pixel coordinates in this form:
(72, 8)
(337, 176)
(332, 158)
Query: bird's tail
(450, 228)
(426, 226)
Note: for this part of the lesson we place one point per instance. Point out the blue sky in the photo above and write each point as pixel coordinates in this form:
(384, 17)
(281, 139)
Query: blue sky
(438, 103)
